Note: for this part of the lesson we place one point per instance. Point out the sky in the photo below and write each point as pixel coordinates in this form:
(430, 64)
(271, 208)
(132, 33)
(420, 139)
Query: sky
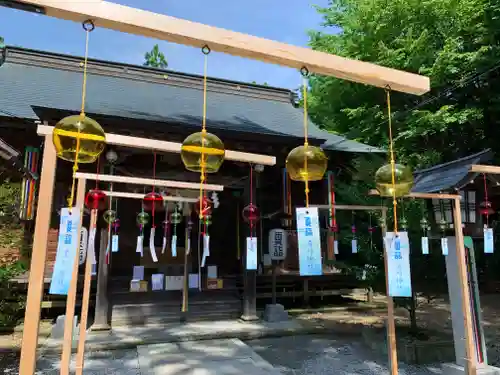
(282, 20)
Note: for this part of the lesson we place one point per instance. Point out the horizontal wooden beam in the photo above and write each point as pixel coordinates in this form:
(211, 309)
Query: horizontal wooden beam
(147, 181)
(168, 198)
(423, 195)
(140, 22)
(488, 169)
(166, 146)
(350, 207)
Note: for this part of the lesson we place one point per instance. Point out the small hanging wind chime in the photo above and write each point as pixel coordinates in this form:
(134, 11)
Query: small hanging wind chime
(175, 219)
(371, 229)
(153, 202)
(306, 163)
(443, 226)
(110, 215)
(95, 200)
(425, 226)
(354, 241)
(333, 244)
(203, 153)
(251, 215)
(166, 229)
(142, 220)
(486, 210)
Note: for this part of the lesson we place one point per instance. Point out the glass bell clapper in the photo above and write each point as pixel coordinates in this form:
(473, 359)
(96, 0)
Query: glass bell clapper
(403, 180)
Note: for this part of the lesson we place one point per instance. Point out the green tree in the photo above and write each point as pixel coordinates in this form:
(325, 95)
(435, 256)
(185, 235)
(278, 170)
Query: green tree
(155, 58)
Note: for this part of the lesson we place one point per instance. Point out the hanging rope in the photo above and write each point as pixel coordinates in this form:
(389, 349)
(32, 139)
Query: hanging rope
(88, 26)
(97, 172)
(305, 73)
(393, 163)
(206, 51)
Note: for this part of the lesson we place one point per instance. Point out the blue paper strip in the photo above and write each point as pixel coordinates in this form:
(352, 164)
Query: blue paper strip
(398, 264)
(488, 241)
(309, 241)
(251, 253)
(67, 247)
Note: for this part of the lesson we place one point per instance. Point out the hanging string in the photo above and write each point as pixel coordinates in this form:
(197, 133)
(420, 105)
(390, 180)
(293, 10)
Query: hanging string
(205, 50)
(393, 163)
(305, 73)
(332, 197)
(97, 172)
(88, 26)
(154, 200)
(251, 199)
(487, 208)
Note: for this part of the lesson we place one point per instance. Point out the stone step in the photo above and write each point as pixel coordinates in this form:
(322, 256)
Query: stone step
(172, 317)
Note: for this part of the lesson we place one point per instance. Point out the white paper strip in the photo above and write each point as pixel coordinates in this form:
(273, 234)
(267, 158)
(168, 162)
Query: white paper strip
(157, 281)
(138, 273)
(114, 243)
(444, 245)
(425, 245)
(83, 245)
(152, 249)
(91, 250)
(251, 253)
(173, 246)
(164, 245)
(336, 247)
(188, 246)
(139, 248)
(354, 246)
(488, 241)
(206, 244)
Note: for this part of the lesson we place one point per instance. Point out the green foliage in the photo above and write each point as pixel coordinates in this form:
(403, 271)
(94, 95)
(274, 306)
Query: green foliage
(155, 58)
(12, 303)
(448, 40)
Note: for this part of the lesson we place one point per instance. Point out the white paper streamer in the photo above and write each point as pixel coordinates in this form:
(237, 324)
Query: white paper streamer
(164, 245)
(189, 246)
(173, 246)
(206, 244)
(336, 247)
(444, 245)
(425, 245)
(91, 250)
(354, 246)
(114, 243)
(140, 246)
(152, 249)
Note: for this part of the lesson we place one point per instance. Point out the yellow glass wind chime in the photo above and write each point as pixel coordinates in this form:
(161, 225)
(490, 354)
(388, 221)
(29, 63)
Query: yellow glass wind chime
(203, 152)
(306, 163)
(393, 180)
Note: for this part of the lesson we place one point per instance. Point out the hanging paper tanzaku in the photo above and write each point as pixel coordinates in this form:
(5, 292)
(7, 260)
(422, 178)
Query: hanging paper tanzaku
(152, 249)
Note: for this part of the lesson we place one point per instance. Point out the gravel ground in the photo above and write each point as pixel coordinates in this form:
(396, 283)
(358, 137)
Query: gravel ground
(321, 355)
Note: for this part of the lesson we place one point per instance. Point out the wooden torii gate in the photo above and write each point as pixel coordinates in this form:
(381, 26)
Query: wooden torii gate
(135, 21)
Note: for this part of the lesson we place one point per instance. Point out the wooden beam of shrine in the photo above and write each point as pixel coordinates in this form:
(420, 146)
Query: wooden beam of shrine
(350, 207)
(140, 22)
(120, 194)
(423, 195)
(166, 146)
(147, 181)
(481, 168)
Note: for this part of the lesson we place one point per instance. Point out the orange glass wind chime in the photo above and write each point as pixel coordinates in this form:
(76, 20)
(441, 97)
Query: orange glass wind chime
(204, 153)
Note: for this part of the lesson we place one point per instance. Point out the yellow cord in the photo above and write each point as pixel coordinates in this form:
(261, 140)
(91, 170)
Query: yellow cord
(82, 115)
(203, 134)
(393, 163)
(306, 142)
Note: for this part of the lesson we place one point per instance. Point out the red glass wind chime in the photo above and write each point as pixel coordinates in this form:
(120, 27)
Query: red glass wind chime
(153, 202)
(95, 200)
(250, 215)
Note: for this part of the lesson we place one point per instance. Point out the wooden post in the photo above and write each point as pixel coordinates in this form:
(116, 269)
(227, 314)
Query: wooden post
(101, 322)
(466, 303)
(38, 258)
(391, 326)
(85, 303)
(71, 299)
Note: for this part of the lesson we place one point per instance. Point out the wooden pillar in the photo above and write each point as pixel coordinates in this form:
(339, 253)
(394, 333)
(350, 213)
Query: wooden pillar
(249, 276)
(306, 292)
(391, 325)
(73, 288)
(101, 321)
(466, 302)
(38, 257)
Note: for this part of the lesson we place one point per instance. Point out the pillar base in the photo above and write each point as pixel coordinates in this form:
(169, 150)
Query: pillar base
(249, 318)
(100, 327)
(454, 369)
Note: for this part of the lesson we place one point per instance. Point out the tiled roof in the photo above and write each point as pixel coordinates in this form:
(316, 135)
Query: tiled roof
(40, 79)
(447, 176)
